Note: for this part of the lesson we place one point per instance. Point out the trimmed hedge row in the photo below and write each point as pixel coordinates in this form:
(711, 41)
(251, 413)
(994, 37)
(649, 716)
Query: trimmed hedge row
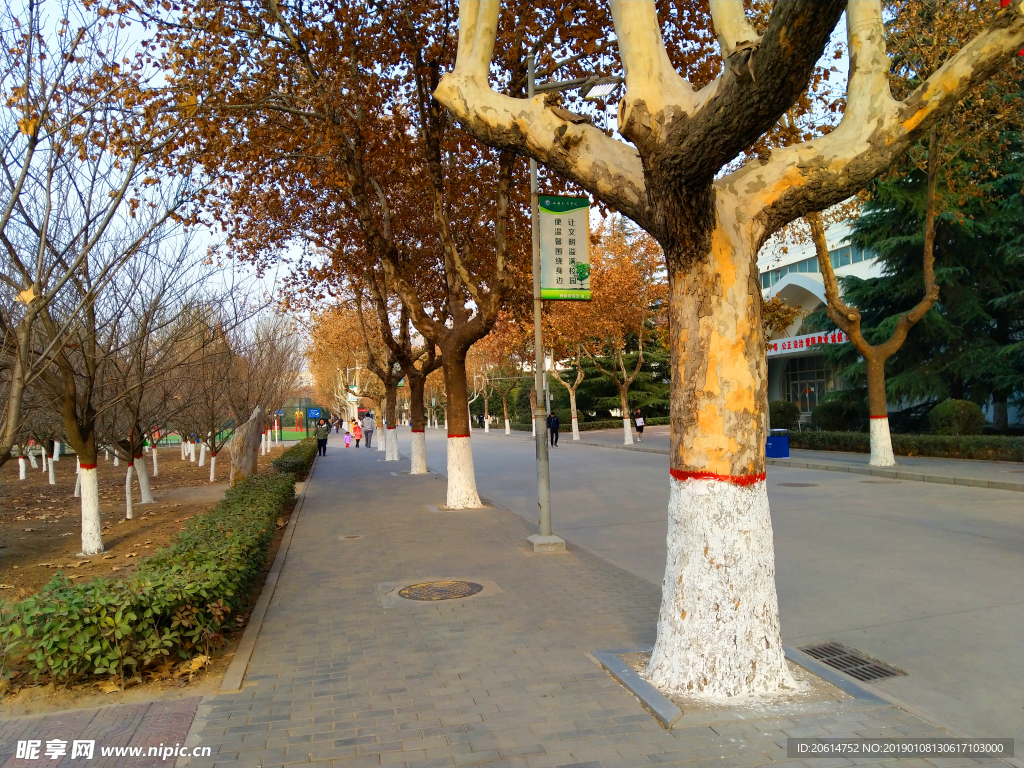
(297, 459)
(988, 447)
(177, 603)
(587, 426)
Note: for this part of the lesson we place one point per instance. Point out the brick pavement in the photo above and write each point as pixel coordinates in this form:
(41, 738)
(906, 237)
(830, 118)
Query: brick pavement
(145, 725)
(340, 677)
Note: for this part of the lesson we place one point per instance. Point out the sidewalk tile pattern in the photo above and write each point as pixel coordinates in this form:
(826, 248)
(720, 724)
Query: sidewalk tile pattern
(339, 678)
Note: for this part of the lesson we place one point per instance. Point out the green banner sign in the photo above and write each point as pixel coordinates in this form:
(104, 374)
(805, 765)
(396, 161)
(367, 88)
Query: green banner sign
(564, 234)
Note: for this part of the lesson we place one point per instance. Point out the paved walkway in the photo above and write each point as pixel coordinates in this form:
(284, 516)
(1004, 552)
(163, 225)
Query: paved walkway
(343, 675)
(151, 724)
(1002, 475)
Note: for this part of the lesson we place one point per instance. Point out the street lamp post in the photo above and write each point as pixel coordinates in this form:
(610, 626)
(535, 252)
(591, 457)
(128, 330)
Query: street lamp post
(545, 540)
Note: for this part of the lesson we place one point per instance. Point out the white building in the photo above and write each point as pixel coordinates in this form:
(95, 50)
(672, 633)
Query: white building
(796, 370)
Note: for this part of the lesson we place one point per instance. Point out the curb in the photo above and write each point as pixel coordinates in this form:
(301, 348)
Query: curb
(653, 700)
(892, 474)
(235, 676)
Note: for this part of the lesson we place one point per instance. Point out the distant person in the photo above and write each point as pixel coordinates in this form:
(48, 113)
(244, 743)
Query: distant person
(348, 433)
(368, 426)
(553, 426)
(322, 431)
(357, 432)
(639, 419)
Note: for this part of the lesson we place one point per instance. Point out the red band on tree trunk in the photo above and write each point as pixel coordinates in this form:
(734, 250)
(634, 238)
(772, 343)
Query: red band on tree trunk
(418, 430)
(881, 417)
(138, 456)
(213, 455)
(451, 435)
(742, 480)
(88, 466)
(392, 427)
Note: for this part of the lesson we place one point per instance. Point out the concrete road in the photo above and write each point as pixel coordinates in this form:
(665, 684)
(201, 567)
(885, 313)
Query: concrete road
(922, 576)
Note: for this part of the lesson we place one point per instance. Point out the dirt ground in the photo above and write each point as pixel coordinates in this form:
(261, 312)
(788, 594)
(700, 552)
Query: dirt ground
(40, 524)
(182, 492)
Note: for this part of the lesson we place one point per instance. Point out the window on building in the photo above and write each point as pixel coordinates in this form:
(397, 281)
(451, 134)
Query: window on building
(806, 381)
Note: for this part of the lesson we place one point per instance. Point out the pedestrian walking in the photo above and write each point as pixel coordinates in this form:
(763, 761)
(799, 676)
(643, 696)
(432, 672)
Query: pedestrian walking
(368, 427)
(638, 418)
(357, 432)
(321, 432)
(348, 433)
(553, 426)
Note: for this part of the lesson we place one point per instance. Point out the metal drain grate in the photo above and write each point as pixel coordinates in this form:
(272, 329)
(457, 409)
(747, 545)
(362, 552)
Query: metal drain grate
(800, 485)
(440, 590)
(852, 662)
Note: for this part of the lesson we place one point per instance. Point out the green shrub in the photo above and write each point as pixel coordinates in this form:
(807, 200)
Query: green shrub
(987, 447)
(835, 416)
(175, 604)
(297, 459)
(783, 414)
(957, 417)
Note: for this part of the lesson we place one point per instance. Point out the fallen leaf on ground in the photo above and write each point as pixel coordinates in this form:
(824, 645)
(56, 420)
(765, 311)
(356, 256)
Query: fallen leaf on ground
(6, 586)
(109, 557)
(109, 686)
(132, 554)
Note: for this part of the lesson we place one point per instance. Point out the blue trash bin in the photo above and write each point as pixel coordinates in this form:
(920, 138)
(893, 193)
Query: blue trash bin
(777, 444)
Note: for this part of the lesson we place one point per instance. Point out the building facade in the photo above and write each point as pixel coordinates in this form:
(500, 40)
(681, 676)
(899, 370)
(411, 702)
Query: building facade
(796, 367)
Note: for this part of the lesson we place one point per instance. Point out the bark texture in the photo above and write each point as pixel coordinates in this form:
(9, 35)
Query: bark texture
(244, 447)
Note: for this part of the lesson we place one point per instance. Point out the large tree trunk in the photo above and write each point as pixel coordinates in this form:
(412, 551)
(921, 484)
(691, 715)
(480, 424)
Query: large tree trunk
(418, 449)
(575, 419)
(145, 490)
(627, 432)
(718, 630)
(881, 441)
(504, 408)
(12, 419)
(390, 431)
(462, 493)
(92, 536)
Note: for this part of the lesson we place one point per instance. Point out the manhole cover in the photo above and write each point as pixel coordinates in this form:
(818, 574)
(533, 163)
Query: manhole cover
(800, 485)
(440, 590)
(852, 662)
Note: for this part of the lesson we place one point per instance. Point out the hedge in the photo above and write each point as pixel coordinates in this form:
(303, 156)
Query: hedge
(587, 426)
(176, 603)
(988, 447)
(297, 459)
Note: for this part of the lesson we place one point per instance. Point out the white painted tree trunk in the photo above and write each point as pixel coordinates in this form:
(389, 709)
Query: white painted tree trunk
(263, 443)
(21, 467)
(49, 466)
(418, 454)
(145, 490)
(32, 460)
(128, 493)
(462, 493)
(92, 537)
(881, 443)
(533, 421)
(181, 445)
(78, 478)
(117, 459)
(487, 425)
(573, 411)
(106, 454)
(391, 453)
(508, 427)
(56, 450)
(192, 452)
(202, 455)
(213, 467)
(381, 438)
(718, 631)
(156, 466)
(627, 433)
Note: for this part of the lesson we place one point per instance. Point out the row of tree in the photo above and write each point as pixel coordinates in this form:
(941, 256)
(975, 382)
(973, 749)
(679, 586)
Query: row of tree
(387, 142)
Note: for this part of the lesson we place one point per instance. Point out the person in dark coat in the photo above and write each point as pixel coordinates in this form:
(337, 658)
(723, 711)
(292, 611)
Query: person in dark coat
(553, 426)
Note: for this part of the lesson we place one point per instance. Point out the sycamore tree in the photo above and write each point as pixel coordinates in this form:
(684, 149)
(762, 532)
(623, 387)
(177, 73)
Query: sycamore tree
(718, 630)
